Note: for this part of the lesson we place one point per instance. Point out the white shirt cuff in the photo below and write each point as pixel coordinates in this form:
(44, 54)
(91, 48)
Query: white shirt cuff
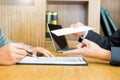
(83, 37)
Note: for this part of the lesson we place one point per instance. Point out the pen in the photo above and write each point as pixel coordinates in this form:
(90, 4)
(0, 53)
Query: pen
(29, 53)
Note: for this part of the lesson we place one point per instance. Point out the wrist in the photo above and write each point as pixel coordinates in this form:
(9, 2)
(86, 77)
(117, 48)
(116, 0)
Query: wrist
(106, 55)
(82, 33)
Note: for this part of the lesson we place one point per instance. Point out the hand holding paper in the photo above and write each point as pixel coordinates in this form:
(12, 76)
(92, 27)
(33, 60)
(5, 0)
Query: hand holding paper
(70, 30)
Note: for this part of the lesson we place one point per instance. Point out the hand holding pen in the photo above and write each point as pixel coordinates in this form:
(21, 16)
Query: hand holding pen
(37, 51)
(12, 53)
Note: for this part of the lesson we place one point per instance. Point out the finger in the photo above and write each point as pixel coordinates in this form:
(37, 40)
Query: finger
(21, 46)
(18, 56)
(80, 52)
(47, 53)
(72, 25)
(75, 26)
(78, 24)
(75, 51)
(39, 51)
(86, 42)
(43, 53)
(79, 45)
(18, 60)
(50, 54)
(76, 34)
(20, 51)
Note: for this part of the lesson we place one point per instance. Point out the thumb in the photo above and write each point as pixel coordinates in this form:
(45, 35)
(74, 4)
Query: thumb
(75, 51)
(86, 42)
(80, 45)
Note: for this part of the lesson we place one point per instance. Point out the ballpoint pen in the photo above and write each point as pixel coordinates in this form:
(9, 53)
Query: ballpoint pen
(30, 53)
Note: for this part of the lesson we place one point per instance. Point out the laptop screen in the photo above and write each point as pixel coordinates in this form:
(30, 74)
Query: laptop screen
(58, 41)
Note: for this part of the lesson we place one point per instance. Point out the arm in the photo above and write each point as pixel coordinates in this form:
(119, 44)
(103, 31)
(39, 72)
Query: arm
(105, 42)
(111, 43)
(90, 49)
(11, 53)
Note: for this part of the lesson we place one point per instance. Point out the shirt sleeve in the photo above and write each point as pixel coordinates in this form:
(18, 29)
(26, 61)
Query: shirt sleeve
(3, 39)
(83, 37)
(115, 56)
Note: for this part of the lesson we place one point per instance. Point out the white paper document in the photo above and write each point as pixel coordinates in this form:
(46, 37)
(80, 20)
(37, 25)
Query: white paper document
(70, 30)
(53, 60)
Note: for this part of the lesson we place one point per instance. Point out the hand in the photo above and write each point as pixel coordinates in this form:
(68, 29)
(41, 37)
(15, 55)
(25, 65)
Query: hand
(78, 24)
(90, 49)
(12, 53)
(41, 52)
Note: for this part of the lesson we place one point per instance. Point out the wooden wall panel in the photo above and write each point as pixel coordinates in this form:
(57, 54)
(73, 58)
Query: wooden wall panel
(24, 23)
(17, 2)
(94, 15)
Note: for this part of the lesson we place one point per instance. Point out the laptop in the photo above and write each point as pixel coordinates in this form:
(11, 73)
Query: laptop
(59, 42)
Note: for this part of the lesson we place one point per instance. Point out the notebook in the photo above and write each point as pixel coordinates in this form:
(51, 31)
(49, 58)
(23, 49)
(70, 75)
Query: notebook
(59, 42)
(53, 60)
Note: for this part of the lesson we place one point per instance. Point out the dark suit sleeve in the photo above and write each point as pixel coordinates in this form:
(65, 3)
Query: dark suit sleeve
(110, 43)
(105, 42)
(115, 56)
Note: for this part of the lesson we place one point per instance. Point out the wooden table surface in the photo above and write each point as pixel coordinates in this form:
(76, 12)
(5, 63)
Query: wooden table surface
(96, 70)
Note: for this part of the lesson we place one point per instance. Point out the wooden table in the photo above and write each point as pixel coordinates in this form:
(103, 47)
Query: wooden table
(96, 70)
